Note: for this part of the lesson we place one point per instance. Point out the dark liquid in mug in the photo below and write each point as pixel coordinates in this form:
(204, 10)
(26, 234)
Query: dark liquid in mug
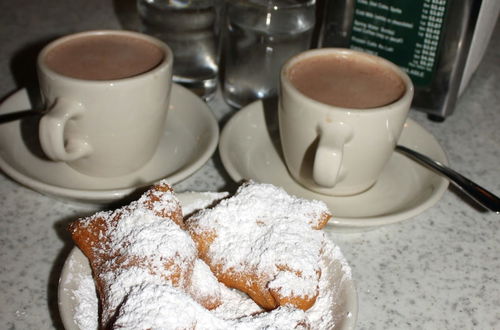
(347, 81)
(104, 57)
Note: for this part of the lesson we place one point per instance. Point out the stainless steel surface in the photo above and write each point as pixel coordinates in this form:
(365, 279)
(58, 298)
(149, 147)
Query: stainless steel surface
(476, 192)
(438, 99)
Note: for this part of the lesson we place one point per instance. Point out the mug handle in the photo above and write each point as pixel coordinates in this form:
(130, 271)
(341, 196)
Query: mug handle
(329, 153)
(51, 132)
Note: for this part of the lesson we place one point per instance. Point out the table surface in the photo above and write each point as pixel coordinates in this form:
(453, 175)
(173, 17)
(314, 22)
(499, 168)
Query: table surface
(438, 270)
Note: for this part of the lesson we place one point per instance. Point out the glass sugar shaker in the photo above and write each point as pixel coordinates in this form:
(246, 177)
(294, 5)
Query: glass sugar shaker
(191, 28)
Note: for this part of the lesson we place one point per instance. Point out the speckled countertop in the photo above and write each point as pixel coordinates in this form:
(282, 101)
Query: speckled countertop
(438, 270)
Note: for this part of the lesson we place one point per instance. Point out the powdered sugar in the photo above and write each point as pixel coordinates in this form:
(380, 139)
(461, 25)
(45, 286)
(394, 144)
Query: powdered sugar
(326, 312)
(86, 312)
(201, 201)
(151, 302)
(158, 200)
(262, 227)
(153, 306)
(135, 242)
(235, 305)
(204, 286)
(322, 316)
(142, 235)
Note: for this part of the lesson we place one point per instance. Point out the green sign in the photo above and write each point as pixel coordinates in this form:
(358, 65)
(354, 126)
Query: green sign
(406, 32)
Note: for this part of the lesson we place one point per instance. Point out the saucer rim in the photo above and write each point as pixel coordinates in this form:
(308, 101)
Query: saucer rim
(344, 224)
(104, 196)
(64, 297)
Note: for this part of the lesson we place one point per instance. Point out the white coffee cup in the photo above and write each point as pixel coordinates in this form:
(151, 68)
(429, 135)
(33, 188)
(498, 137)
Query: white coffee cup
(107, 93)
(340, 149)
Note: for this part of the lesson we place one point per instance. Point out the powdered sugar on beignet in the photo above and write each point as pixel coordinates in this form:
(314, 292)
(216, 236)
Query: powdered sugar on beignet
(154, 306)
(263, 242)
(146, 237)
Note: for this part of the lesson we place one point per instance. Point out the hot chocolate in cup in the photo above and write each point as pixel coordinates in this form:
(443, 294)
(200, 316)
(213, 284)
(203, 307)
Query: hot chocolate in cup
(341, 113)
(107, 94)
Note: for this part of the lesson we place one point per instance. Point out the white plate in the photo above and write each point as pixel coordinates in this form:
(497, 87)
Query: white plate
(190, 138)
(77, 267)
(250, 149)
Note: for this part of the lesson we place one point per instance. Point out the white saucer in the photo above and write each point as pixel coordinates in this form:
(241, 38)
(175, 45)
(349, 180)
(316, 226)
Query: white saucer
(76, 268)
(250, 149)
(190, 138)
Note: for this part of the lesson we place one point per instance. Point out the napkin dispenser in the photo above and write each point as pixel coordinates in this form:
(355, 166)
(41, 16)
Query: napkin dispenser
(439, 43)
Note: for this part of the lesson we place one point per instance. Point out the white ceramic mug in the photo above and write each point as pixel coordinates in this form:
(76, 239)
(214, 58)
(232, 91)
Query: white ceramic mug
(104, 127)
(336, 150)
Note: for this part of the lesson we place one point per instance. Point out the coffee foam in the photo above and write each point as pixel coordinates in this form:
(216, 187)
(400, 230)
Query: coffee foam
(104, 57)
(346, 80)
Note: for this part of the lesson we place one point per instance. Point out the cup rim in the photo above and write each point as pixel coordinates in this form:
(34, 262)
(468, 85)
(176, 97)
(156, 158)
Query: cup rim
(285, 81)
(166, 62)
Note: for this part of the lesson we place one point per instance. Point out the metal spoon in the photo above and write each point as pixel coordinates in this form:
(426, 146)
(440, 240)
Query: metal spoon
(476, 192)
(37, 109)
(8, 117)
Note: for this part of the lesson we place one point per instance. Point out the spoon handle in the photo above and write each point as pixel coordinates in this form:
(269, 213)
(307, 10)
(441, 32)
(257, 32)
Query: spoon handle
(476, 192)
(8, 117)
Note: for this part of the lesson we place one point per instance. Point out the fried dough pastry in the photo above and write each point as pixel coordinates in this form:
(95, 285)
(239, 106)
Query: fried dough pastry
(145, 237)
(265, 243)
(153, 306)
